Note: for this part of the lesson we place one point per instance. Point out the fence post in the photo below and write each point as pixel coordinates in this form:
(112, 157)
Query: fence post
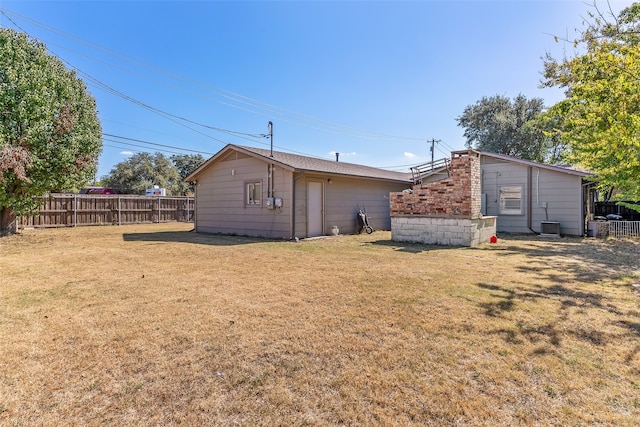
(119, 211)
(75, 210)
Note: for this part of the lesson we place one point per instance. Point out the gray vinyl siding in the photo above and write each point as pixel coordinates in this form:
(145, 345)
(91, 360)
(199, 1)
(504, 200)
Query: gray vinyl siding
(221, 199)
(341, 200)
(561, 192)
(344, 196)
(221, 204)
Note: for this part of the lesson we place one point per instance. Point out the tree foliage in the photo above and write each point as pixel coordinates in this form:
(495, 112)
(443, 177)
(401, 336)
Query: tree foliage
(144, 170)
(500, 125)
(600, 116)
(50, 135)
(186, 163)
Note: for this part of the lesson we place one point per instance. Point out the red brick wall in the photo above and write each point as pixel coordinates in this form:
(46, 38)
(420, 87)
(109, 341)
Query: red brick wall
(455, 197)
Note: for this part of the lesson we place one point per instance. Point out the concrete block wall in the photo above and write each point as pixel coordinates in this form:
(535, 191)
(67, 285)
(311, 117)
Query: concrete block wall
(455, 197)
(443, 231)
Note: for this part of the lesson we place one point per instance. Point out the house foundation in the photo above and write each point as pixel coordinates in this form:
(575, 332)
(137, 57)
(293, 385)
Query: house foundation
(444, 212)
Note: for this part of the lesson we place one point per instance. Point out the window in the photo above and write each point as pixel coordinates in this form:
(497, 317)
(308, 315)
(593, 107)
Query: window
(254, 193)
(511, 200)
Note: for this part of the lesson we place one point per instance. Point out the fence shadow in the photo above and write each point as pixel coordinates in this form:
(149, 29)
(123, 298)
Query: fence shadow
(193, 237)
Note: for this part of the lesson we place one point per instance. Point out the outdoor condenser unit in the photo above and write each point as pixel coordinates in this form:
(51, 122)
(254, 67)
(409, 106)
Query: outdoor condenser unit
(550, 228)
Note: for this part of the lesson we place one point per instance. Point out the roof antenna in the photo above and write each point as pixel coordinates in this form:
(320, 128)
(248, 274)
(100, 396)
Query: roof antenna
(271, 137)
(337, 157)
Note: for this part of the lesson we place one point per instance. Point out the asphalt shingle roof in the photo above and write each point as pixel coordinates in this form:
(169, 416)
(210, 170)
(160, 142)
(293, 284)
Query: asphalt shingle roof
(312, 164)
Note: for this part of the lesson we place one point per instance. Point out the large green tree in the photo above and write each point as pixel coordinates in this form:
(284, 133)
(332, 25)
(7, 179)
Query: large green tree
(50, 135)
(142, 171)
(600, 116)
(186, 163)
(501, 125)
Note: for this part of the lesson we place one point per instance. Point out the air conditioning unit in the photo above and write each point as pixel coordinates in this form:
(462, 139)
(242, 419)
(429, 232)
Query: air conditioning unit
(550, 229)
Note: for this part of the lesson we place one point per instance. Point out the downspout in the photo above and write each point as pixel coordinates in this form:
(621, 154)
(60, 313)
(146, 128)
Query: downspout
(586, 206)
(529, 197)
(195, 206)
(293, 204)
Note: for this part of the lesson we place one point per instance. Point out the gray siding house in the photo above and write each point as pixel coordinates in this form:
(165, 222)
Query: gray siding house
(524, 195)
(256, 192)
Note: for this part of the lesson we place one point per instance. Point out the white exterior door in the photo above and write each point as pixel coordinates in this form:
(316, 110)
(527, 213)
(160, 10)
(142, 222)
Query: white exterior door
(314, 209)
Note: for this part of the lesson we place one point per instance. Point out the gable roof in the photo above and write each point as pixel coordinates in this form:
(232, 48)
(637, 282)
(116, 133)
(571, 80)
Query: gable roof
(300, 163)
(564, 169)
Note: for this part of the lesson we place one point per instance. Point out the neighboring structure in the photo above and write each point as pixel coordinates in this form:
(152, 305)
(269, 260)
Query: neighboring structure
(528, 197)
(445, 211)
(257, 192)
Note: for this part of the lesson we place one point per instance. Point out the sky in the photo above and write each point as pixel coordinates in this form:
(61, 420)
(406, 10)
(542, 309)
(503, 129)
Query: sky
(376, 81)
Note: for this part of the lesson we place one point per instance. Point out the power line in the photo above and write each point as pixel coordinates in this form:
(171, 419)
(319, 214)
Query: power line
(228, 98)
(128, 147)
(155, 144)
(298, 119)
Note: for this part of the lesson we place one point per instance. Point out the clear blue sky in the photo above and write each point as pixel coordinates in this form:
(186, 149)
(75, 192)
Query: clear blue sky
(374, 81)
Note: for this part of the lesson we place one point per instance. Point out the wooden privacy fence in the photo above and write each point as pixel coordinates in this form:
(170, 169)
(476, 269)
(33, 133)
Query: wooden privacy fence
(606, 208)
(70, 210)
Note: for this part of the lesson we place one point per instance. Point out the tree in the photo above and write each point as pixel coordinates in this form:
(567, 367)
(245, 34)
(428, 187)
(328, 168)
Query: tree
(186, 163)
(142, 171)
(500, 125)
(50, 135)
(600, 116)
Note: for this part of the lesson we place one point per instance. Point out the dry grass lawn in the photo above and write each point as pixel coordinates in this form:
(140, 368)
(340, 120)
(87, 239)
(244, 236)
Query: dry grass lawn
(153, 325)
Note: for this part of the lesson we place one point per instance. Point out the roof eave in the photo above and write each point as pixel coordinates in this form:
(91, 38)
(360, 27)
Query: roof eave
(345, 175)
(536, 164)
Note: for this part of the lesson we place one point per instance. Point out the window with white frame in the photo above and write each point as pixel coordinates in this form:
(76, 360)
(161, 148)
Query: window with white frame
(253, 190)
(511, 200)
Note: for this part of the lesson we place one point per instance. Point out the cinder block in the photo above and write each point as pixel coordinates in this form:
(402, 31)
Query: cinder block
(457, 242)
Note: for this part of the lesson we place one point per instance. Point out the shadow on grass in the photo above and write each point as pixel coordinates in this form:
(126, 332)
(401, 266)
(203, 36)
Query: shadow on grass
(587, 260)
(413, 248)
(506, 299)
(563, 262)
(193, 237)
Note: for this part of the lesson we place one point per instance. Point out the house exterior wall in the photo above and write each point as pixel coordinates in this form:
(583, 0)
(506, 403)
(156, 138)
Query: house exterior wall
(344, 196)
(221, 199)
(341, 199)
(561, 192)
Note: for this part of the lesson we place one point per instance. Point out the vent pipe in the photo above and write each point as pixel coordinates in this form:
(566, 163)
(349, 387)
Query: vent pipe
(337, 157)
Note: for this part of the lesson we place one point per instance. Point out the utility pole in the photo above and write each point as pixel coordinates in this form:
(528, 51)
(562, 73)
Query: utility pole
(271, 137)
(433, 143)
